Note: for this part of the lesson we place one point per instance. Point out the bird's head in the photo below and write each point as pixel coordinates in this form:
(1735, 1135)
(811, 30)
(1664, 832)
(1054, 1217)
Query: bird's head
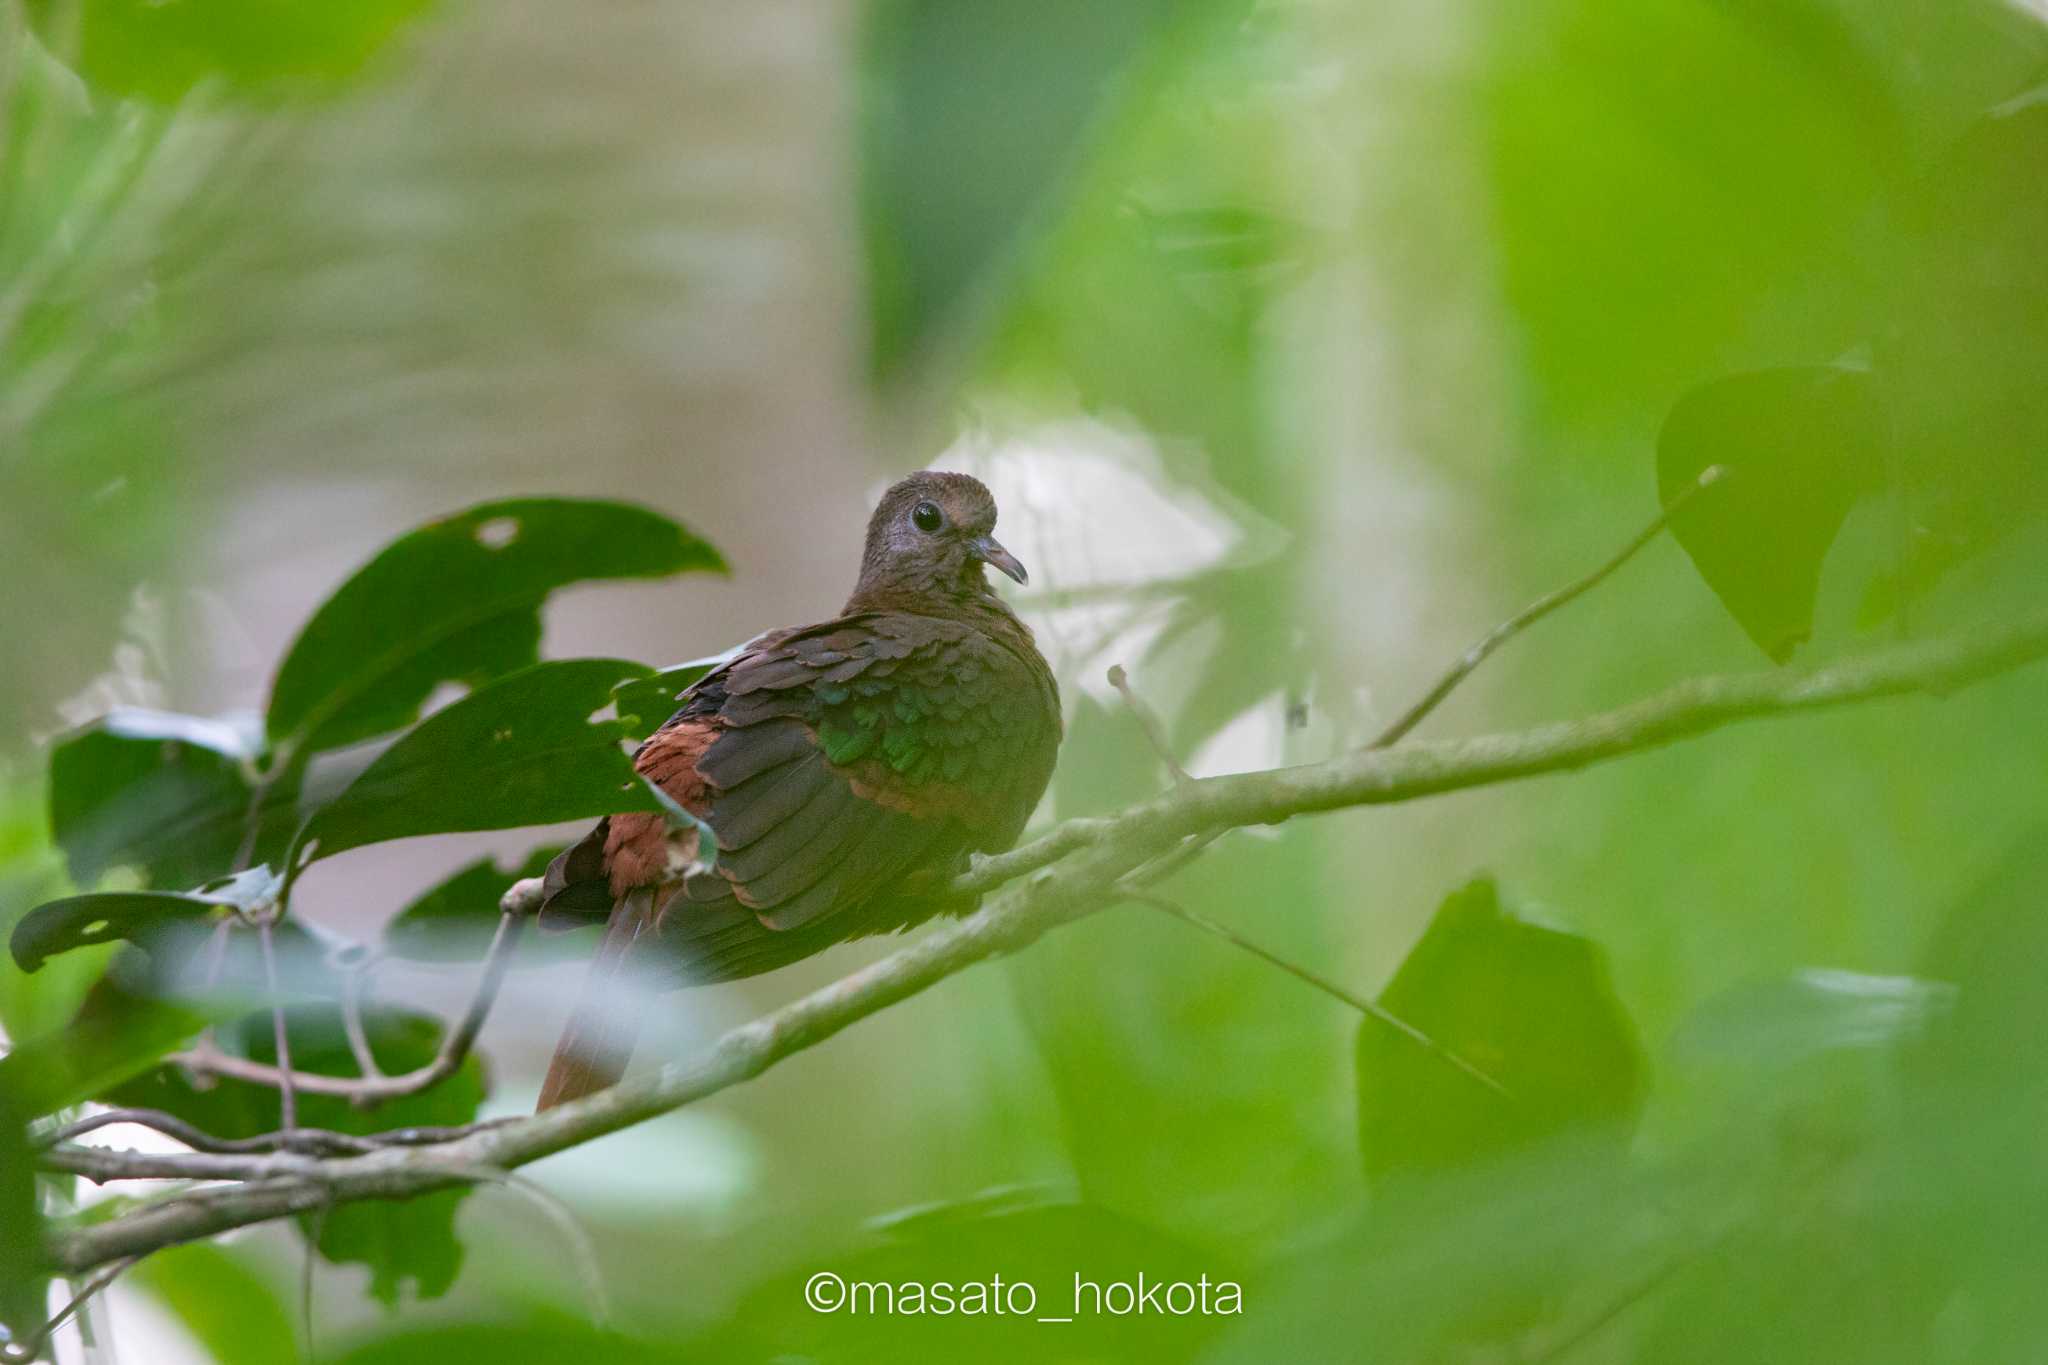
(931, 534)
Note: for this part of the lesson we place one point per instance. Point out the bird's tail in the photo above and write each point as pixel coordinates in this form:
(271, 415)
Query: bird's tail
(598, 1041)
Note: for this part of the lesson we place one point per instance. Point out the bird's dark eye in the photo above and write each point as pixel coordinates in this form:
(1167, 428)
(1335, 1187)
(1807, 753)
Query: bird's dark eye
(927, 517)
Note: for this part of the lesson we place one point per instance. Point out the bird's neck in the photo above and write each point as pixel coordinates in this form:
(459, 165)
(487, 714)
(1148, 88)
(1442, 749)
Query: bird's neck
(981, 609)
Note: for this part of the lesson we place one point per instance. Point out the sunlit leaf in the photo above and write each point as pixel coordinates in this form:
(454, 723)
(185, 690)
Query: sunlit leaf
(458, 600)
(1799, 447)
(132, 47)
(520, 751)
(531, 1340)
(1783, 1021)
(1529, 1005)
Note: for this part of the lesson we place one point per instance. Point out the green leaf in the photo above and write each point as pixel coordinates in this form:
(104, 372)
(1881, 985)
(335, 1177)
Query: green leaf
(409, 1241)
(1529, 1005)
(458, 600)
(455, 920)
(644, 703)
(546, 1340)
(165, 794)
(133, 47)
(219, 1296)
(520, 751)
(120, 1031)
(1781, 1022)
(953, 88)
(22, 1277)
(1800, 446)
(82, 921)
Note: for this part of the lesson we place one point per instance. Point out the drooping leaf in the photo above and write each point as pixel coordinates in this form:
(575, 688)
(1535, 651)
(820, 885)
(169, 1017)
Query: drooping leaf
(1529, 1005)
(458, 600)
(132, 47)
(220, 1297)
(644, 703)
(167, 795)
(519, 751)
(454, 921)
(409, 1241)
(1800, 447)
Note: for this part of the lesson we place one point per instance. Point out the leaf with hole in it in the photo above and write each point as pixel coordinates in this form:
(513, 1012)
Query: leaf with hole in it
(1529, 1005)
(1799, 446)
(520, 751)
(458, 600)
(413, 1240)
(455, 920)
(81, 921)
(165, 794)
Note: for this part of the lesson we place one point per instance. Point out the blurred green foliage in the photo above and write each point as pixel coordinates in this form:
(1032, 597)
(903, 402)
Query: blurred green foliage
(1431, 305)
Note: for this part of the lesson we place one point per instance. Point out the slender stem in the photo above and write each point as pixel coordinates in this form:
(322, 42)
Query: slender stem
(25, 1351)
(1537, 610)
(199, 1140)
(287, 1098)
(1148, 721)
(352, 1021)
(1371, 1009)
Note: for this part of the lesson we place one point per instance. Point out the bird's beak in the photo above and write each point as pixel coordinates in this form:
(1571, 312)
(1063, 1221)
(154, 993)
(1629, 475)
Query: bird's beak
(989, 552)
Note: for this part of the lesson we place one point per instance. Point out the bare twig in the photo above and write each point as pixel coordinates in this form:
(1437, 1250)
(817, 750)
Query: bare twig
(1148, 721)
(30, 1347)
(1537, 610)
(368, 1091)
(1371, 1009)
(352, 1019)
(1094, 857)
(171, 1126)
(287, 1098)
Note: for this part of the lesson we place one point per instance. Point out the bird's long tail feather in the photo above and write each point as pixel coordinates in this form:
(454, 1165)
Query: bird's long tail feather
(599, 1039)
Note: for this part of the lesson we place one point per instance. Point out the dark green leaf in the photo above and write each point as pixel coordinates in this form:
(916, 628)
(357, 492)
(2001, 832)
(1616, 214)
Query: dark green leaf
(121, 1030)
(1800, 446)
(458, 600)
(133, 47)
(1529, 1005)
(455, 920)
(221, 1298)
(413, 1240)
(520, 751)
(22, 1277)
(79, 921)
(644, 703)
(167, 795)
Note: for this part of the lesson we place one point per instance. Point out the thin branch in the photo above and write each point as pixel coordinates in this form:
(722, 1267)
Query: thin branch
(287, 1098)
(199, 1140)
(1098, 855)
(1148, 721)
(27, 1350)
(368, 1091)
(1371, 1009)
(352, 1020)
(1537, 610)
